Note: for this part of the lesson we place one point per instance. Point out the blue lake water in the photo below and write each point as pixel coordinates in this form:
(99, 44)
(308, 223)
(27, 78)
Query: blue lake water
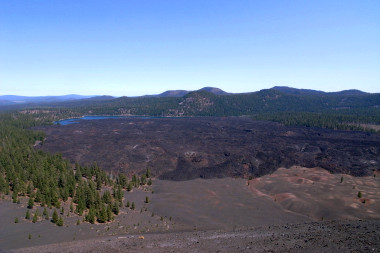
(65, 122)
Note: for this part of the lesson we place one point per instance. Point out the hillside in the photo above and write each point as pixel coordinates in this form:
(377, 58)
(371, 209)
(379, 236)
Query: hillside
(347, 110)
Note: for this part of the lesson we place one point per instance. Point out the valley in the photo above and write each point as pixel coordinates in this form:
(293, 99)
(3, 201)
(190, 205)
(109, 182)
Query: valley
(190, 172)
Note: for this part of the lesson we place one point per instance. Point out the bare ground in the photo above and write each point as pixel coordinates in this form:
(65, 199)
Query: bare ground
(291, 210)
(207, 147)
(327, 236)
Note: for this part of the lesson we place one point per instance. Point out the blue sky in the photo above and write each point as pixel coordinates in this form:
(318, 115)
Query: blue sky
(137, 47)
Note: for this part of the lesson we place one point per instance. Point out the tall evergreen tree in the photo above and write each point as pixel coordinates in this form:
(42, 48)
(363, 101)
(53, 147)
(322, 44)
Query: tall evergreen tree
(55, 216)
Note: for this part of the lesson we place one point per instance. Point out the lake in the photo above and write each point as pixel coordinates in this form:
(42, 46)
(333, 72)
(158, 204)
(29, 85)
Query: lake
(70, 121)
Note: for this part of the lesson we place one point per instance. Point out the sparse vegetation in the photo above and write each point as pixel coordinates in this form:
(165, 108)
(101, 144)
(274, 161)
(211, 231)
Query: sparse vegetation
(35, 217)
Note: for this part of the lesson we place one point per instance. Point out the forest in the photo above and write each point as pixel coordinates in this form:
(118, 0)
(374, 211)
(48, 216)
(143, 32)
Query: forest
(48, 180)
(346, 110)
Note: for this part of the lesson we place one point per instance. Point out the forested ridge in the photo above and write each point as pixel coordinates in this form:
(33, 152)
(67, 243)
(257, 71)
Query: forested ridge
(48, 180)
(346, 110)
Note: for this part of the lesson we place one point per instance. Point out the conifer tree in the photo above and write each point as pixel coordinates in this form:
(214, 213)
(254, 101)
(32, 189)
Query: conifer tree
(14, 197)
(60, 221)
(55, 216)
(147, 173)
(90, 217)
(130, 186)
(115, 207)
(30, 203)
(109, 213)
(103, 217)
(35, 217)
(106, 197)
(143, 180)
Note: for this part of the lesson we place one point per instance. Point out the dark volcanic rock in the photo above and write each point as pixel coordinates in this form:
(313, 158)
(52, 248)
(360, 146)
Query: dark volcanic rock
(188, 148)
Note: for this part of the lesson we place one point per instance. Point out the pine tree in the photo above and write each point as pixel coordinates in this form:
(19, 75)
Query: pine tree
(147, 199)
(133, 206)
(29, 189)
(102, 217)
(109, 213)
(130, 186)
(106, 197)
(143, 180)
(122, 180)
(35, 217)
(14, 197)
(38, 198)
(134, 180)
(115, 207)
(16, 220)
(59, 221)
(27, 215)
(147, 173)
(55, 216)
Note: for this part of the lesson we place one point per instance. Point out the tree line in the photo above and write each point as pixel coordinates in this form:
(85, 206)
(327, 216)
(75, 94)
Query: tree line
(49, 180)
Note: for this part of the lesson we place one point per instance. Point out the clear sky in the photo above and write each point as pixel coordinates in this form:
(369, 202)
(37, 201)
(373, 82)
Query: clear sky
(137, 47)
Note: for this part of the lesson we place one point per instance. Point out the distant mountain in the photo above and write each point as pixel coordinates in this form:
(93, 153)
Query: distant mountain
(210, 101)
(181, 93)
(14, 99)
(215, 91)
(99, 98)
(349, 92)
(173, 93)
(294, 91)
(215, 102)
